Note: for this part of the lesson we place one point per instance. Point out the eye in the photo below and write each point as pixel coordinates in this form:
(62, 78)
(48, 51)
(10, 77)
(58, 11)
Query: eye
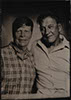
(50, 26)
(18, 31)
(27, 31)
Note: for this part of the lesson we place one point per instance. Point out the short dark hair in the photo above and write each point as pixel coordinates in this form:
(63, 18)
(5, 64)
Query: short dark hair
(19, 21)
(43, 16)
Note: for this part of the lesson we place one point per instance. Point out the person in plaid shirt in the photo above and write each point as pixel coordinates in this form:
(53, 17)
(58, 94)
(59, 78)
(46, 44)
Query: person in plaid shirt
(18, 71)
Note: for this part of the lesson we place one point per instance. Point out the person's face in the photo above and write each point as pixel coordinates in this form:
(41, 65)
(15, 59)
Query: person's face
(23, 35)
(50, 29)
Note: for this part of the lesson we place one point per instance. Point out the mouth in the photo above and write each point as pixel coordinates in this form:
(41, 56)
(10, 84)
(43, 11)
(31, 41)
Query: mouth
(49, 35)
(21, 40)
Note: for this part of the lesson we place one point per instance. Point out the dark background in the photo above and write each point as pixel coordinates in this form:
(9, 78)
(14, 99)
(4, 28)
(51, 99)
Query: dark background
(36, 7)
(62, 7)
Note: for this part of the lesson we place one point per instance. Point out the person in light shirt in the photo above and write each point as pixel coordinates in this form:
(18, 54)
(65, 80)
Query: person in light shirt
(52, 58)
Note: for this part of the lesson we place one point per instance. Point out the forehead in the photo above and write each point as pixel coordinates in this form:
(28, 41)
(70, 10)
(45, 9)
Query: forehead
(24, 27)
(49, 20)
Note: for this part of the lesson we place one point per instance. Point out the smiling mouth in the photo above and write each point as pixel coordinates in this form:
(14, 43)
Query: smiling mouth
(49, 35)
(21, 40)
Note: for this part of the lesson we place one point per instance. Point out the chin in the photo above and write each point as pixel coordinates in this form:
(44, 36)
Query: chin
(51, 40)
(23, 45)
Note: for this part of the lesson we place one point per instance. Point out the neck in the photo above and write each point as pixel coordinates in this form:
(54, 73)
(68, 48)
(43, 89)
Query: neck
(20, 47)
(57, 42)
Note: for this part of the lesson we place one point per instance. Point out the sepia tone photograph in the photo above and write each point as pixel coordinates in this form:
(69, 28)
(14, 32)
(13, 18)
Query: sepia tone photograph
(35, 40)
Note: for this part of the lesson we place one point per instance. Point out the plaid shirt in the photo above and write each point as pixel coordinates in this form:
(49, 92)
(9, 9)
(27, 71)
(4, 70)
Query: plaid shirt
(18, 71)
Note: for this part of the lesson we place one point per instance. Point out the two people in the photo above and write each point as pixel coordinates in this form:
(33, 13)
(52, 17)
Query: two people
(49, 59)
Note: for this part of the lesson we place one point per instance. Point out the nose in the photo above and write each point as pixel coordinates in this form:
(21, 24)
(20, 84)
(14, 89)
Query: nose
(48, 30)
(22, 33)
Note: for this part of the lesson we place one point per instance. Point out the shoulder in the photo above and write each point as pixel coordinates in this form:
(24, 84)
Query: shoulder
(37, 48)
(6, 49)
(30, 55)
(65, 48)
(34, 44)
(66, 43)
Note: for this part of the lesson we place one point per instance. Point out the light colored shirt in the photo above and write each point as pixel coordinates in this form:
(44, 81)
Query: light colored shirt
(53, 69)
(17, 70)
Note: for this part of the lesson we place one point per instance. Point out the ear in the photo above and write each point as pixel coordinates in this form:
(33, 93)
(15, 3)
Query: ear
(60, 27)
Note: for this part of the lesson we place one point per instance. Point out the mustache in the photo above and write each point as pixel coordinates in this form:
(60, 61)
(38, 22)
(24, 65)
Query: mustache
(47, 34)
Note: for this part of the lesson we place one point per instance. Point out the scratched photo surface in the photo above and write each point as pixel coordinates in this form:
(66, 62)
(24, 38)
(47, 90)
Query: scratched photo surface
(51, 76)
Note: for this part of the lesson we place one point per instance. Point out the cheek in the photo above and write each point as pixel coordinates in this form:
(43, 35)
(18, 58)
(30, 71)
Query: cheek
(56, 32)
(29, 35)
(17, 35)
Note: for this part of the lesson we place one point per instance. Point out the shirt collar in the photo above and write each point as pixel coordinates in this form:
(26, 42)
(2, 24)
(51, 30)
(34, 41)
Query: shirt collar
(64, 44)
(20, 53)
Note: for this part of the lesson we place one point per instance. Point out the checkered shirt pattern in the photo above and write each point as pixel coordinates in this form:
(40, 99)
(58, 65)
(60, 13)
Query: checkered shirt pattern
(17, 71)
